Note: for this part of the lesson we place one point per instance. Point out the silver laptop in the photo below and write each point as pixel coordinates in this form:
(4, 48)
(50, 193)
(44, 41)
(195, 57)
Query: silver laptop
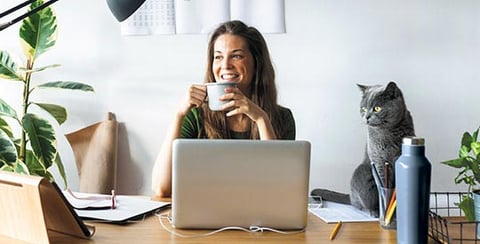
(241, 183)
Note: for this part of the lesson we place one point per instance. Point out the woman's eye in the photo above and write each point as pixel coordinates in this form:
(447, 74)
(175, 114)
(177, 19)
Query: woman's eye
(377, 109)
(217, 57)
(236, 56)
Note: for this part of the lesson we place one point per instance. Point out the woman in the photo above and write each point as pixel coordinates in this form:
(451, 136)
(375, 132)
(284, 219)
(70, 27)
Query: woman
(236, 53)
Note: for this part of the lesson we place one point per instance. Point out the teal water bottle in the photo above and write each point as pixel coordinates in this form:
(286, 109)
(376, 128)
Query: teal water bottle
(412, 181)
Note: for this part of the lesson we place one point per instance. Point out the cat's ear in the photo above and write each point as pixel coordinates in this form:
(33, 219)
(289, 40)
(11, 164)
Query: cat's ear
(392, 89)
(363, 88)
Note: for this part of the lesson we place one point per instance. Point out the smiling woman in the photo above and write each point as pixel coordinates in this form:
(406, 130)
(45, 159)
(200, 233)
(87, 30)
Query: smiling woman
(236, 53)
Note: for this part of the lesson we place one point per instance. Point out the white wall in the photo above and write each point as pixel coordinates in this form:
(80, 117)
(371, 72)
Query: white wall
(431, 48)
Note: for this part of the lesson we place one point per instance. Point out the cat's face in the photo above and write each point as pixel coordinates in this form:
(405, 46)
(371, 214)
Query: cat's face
(382, 106)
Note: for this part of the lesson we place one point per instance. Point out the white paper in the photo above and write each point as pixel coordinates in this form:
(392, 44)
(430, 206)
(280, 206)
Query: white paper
(84, 200)
(127, 207)
(203, 16)
(268, 16)
(200, 16)
(333, 212)
(153, 17)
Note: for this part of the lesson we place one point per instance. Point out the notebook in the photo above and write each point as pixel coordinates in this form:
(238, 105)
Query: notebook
(128, 208)
(32, 207)
(241, 183)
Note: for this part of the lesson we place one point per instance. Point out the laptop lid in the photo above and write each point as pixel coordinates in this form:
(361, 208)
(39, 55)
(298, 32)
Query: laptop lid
(223, 183)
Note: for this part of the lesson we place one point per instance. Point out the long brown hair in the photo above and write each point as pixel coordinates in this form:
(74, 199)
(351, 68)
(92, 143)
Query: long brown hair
(263, 88)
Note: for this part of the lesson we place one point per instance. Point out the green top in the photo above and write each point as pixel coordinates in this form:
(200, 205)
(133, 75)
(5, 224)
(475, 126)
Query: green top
(192, 126)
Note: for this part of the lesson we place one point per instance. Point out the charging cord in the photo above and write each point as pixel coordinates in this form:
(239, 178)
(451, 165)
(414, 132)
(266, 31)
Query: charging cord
(251, 229)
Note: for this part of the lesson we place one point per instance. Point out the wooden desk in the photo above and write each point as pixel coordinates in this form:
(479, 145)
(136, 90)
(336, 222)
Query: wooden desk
(151, 231)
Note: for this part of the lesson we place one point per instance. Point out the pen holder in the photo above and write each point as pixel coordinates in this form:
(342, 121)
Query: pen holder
(387, 208)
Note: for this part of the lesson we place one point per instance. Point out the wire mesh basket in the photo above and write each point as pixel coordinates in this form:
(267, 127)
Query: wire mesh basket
(447, 221)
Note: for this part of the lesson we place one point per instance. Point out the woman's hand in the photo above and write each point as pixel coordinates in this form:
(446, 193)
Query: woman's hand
(241, 104)
(194, 97)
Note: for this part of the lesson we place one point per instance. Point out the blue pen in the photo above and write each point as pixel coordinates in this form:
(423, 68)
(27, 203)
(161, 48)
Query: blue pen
(376, 176)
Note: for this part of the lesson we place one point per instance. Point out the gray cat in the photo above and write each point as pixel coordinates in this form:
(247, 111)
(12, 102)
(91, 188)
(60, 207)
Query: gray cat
(389, 121)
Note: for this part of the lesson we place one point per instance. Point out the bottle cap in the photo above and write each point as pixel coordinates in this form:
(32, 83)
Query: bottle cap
(418, 141)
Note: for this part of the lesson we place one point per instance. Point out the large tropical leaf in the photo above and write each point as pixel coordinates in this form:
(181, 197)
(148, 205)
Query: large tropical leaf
(21, 167)
(42, 138)
(8, 68)
(61, 169)
(72, 85)
(6, 110)
(5, 127)
(57, 112)
(35, 167)
(41, 68)
(8, 152)
(38, 31)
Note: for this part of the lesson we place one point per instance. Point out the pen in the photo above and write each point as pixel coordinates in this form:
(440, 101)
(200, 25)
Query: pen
(376, 176)
(335, 230)
(387, 172)
(114, 199)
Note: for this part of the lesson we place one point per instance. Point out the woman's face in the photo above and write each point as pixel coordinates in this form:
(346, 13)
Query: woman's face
(232, 61)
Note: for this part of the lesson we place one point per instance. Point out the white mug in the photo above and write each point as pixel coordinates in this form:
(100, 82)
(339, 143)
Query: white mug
(214, 91)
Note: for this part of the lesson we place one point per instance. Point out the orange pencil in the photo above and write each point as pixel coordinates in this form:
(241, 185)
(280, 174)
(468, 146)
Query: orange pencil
(335, 230)
(390, 212)
(392, 199)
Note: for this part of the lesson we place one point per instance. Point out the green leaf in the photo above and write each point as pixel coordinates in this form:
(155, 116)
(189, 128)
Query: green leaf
(42, 138)
(467, 206)
(464, 151)
(41, 68)
(8, 68)
(7, 167)
(57, 112)
(35, 167)
(6, 110)
(466, 141)
(456, 163)
(475, 135)
(38, 31)
(5, 127)
(61, 169)
(8, 152)
(475, 148)
(72, 85)
(21, 167)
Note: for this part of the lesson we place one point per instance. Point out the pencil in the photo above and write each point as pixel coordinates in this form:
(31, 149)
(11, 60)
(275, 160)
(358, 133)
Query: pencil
(335, 230)
(390, 212)
(392, 199)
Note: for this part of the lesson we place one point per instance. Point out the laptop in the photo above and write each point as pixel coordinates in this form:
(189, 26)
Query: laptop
(240, 183)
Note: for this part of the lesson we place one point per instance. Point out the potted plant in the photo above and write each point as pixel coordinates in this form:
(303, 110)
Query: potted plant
(35, 150)
(468, 162)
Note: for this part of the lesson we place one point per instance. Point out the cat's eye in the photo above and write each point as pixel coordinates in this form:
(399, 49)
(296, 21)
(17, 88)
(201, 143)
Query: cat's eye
(377, 109)
(364, 109)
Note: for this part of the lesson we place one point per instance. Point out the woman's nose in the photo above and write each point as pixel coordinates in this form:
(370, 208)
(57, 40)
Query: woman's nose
(226, 63)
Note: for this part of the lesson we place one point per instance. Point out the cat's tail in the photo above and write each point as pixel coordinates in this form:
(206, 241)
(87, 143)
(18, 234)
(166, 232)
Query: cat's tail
(328, 195)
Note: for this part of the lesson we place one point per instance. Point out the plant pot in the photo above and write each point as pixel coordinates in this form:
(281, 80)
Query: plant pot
(476, 209)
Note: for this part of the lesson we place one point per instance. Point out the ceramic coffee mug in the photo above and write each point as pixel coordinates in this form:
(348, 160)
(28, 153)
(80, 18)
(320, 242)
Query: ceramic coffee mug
(214, 91)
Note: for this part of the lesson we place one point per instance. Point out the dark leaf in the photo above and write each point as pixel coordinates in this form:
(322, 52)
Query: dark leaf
(42, 138)
(72, 85)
